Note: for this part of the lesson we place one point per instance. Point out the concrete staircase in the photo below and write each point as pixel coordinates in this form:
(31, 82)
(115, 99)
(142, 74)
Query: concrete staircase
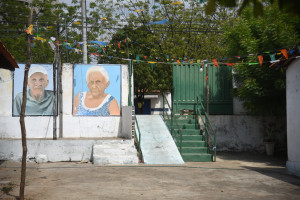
(115, 152)
(194, 146)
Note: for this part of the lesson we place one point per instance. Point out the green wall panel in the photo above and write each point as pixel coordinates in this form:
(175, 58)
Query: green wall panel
(189, 83)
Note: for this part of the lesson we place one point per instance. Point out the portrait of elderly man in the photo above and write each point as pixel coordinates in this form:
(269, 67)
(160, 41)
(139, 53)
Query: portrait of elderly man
(39, 100)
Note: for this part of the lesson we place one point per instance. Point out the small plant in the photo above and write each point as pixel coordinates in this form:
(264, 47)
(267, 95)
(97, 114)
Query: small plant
(270, 131)
(7, 189)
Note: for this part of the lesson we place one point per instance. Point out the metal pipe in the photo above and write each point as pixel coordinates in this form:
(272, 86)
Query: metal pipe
(84, 32)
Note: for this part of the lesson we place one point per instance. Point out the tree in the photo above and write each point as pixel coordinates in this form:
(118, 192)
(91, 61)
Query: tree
(288, 6)
(262, 89)
(188, 35)
(49, 19)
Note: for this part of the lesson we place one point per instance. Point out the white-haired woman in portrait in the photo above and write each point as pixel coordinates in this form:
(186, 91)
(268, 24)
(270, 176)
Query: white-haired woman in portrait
(96, 101)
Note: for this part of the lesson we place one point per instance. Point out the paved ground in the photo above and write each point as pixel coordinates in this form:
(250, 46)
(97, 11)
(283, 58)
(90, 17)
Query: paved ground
(233, 176)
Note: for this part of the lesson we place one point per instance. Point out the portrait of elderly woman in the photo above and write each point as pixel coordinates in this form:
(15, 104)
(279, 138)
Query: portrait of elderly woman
(95, 101)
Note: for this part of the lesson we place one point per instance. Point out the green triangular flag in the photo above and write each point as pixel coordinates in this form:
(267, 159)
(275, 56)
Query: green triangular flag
(100, 49)
(152, 65)
(137, 58)
(272, 56)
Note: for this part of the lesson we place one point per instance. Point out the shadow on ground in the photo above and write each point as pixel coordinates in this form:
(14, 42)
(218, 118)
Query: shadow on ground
(276, 173)
(279, 161)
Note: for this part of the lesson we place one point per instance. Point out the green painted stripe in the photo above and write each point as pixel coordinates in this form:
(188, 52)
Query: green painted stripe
(193, 143)
(197, 157)
(194, 150)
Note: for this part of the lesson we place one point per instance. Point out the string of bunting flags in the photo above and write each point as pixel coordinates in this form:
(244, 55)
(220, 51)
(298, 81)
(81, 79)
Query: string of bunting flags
(263, 58)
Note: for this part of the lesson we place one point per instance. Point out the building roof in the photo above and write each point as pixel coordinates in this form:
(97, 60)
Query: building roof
(7, 61)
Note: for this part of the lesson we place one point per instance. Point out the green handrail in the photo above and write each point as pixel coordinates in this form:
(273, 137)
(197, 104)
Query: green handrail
(173, 119)
(207, 125)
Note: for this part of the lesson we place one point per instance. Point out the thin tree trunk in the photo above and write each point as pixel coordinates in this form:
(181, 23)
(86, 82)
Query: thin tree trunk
(22, 114)
(59, 84)
(54, 102)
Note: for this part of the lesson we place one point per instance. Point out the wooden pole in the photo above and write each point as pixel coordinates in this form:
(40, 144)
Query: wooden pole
(59, 85)
(22, 114)
(55, 96)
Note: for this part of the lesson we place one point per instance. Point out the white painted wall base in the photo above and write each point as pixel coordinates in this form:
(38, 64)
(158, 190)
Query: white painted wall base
(43, 150)
(293, 168)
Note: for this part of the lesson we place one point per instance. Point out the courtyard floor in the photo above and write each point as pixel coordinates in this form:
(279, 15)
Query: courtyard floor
(233, 176)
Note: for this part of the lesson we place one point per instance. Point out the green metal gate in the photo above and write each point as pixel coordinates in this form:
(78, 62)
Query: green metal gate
(189, 82)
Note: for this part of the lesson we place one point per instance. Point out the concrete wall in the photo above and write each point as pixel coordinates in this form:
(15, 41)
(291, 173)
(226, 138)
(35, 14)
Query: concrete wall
(293, 116)
(245, 133)
(73, 126)
(40, 150)
(157, 104)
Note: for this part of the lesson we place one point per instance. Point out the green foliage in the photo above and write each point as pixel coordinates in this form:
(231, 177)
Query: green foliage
(262, 89)
(288, 6)
(50, 19)
(189, 35)
(12, 27)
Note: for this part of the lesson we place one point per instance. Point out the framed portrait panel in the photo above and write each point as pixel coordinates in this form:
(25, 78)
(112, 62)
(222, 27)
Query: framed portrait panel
(40, 96)
(96, 90)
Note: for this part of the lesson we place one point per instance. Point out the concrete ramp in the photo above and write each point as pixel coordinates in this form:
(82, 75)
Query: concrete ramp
(157, 144)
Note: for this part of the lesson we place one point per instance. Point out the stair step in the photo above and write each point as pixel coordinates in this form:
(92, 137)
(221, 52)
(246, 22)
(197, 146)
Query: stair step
(114, 152)
(191, 143)
(194, 150)
(197, 157)
(182, 117)
(184, 121)
(193, 137)
(194, 147)
(185, 126)
(189, 131)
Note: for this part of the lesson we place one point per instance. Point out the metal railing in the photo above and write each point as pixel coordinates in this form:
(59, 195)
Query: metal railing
(209, 130)
(138, 139)
(177, 135)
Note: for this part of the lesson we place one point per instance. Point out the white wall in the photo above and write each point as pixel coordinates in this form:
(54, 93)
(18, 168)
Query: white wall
(293, 116)
(244, 133)
(157, 103)
(73, 126)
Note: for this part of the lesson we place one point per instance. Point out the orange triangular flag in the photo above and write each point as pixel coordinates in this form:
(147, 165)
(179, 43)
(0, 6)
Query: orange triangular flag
(284, 52)
(119, 45)
(260, 59)
(215, 62)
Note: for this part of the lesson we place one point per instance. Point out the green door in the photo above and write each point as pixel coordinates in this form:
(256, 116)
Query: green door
(189, 82)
